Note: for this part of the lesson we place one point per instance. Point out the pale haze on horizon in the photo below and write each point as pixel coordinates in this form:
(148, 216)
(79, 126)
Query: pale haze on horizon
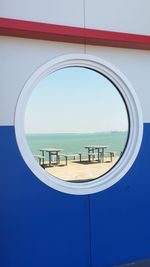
(75, 100)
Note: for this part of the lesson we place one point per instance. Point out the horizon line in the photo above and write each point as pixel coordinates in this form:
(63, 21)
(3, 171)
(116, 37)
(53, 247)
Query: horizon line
(111, 131)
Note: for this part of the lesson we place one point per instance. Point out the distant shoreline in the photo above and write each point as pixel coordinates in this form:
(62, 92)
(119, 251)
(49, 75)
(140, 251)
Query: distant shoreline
(77, 133)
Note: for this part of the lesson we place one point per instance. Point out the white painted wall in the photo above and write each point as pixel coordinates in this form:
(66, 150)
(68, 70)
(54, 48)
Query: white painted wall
(135, 65)
(130, 16)
(65, 12)
(21, 57)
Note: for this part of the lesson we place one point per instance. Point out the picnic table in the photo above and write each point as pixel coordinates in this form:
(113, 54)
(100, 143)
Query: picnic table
(100, 152)
(52, 152)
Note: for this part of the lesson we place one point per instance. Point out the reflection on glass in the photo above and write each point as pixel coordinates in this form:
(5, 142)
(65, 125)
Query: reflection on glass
(76, 124)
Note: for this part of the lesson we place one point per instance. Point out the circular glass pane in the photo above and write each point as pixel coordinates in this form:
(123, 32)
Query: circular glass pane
(76, 124)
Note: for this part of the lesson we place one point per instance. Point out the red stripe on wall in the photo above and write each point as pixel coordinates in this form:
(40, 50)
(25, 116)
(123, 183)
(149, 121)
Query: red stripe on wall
(60, 33)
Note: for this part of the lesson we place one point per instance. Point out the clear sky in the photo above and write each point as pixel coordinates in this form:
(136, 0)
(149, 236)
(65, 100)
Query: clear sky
(75, 100)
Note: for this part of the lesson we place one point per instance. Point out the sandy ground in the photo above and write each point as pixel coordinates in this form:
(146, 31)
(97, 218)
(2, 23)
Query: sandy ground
(78, 171)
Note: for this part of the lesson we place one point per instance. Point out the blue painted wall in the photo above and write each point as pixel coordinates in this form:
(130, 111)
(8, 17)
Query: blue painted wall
(42, 227)
(120, 218)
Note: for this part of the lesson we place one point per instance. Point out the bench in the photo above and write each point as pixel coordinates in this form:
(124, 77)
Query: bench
(64, 156)
(90, 155)
(40, 160)
(111, 154)
(80, 154)
(72, 155)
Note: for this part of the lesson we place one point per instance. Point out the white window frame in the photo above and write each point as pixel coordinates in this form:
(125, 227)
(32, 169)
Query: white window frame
(135, 117)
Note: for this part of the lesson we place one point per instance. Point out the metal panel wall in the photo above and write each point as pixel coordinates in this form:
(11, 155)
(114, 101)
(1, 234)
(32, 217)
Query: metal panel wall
(39, 226)
(120, 215)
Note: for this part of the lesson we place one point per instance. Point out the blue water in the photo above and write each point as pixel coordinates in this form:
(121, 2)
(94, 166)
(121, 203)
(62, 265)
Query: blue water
(73, 143)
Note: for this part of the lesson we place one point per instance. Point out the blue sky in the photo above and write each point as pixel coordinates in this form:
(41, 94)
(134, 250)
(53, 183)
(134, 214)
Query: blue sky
(75, 100)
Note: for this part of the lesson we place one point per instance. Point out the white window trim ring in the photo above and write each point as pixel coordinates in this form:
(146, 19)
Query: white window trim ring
(135, 115)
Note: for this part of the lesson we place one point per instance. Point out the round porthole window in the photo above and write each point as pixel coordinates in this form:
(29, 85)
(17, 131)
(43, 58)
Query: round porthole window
(78, 124)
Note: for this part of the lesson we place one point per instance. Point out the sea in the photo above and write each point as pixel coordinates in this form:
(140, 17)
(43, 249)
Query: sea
(75, 142)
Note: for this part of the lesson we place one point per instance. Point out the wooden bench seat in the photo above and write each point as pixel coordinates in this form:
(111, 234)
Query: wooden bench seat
(64, 156)
(40, 160)
(111, 154)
